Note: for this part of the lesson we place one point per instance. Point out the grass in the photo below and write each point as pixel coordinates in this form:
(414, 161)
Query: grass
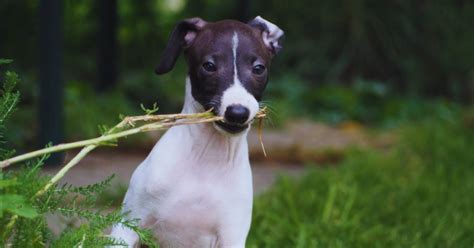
(420, 194)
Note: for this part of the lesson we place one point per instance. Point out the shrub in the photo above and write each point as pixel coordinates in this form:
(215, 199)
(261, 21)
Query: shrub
(26, 201)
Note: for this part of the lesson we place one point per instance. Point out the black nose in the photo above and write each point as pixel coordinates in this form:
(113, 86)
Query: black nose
(237, 114)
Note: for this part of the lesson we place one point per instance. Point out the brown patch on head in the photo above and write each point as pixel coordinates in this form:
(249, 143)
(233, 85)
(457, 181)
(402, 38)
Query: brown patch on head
(221, 54)
(221, 33)
(213, 44)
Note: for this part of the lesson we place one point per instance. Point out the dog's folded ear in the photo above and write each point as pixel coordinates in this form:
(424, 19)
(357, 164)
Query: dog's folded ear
(182, 37)
(272, 35)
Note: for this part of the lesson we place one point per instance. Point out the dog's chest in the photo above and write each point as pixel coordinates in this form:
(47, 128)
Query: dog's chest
(190, 196)
(196, 205)
(194, 188)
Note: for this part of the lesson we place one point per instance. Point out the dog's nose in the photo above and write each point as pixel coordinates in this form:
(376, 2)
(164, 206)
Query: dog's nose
(237, 114)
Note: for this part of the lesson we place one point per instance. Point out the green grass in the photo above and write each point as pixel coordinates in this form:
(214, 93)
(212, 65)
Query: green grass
(419, 194)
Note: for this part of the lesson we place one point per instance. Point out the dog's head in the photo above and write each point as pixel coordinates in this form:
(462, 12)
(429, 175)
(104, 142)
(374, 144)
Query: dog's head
(228, 65)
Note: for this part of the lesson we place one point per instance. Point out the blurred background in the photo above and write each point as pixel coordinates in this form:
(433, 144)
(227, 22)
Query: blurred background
(372, 104)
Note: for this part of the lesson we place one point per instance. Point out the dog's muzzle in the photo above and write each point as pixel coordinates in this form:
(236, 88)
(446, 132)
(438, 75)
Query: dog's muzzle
(235, 119)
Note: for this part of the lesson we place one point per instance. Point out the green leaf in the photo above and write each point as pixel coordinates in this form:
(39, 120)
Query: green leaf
(150, 111)
(8, 98)
(11, 79)
(16, 204)
(5, 61)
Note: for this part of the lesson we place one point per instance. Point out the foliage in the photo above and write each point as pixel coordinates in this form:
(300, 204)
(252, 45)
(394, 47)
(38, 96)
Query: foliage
(283, 97)
(24, 212)
(369, 102)
(8, 102)
(414, 49)
(83, 104)
(114, 196)
(416, 195)
(419, 48)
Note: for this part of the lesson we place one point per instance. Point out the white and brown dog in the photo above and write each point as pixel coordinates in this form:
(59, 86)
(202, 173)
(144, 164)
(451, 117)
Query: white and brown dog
(195, 187)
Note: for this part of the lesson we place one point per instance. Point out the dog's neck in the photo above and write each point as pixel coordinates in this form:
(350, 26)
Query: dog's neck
(206, 141)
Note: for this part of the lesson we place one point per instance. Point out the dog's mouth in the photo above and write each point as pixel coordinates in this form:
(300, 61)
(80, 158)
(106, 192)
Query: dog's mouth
(231, 128)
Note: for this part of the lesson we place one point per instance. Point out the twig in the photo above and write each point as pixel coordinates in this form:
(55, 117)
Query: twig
(260, 136)
(113, 135)
(161, 122)
(60, 174)
(94, 143)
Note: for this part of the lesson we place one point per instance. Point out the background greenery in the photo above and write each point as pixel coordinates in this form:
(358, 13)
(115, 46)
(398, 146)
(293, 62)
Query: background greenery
(371, 61)
(407, 66)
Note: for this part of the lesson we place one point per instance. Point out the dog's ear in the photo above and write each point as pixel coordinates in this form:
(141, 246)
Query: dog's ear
(272, 35)
(182, 36)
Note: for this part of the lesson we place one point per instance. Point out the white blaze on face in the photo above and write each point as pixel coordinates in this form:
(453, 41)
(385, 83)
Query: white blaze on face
(236, 93)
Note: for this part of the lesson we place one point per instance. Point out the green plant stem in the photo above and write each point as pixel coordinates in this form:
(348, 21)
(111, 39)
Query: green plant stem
(97, 141)
(109, 136)
(161, 122)
(65, 169)
(63, 147)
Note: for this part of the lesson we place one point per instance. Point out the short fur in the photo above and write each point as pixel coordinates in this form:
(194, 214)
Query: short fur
(195, 187)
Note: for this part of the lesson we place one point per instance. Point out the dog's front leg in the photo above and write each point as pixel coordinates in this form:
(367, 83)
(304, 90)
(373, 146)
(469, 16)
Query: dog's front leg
(235, 227)
(124, 234)
(130, 206)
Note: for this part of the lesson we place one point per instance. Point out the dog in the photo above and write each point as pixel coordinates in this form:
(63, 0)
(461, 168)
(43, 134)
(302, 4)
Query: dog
(195, 187)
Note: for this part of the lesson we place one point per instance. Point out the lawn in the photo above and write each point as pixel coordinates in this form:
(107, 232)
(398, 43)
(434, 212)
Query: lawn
(418, 194)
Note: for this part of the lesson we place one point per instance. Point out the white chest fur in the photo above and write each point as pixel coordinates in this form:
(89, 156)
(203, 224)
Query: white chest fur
(194, 189)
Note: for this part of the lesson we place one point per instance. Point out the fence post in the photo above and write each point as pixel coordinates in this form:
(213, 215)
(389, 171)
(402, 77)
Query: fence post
(50, 75)
(107, 45)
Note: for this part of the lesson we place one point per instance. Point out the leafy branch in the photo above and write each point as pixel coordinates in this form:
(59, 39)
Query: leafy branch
(123, 129)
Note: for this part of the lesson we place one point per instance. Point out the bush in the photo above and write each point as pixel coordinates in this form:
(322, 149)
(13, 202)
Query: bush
(27, 198)
(368, 102)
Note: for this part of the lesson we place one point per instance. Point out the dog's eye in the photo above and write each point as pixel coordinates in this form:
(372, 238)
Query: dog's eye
(258, 69)
(210, 67)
